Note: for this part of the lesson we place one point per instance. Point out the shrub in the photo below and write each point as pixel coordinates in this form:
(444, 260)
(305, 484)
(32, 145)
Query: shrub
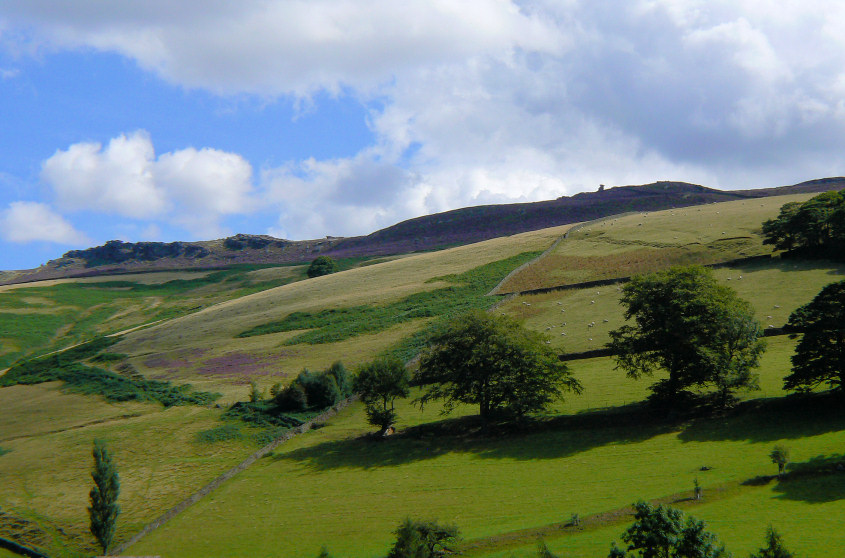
(322, 265)
(292, 399)
(221, 433)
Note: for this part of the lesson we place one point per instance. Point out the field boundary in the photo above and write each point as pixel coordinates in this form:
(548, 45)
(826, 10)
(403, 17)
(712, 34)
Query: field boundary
(573, 228)
(214, 484)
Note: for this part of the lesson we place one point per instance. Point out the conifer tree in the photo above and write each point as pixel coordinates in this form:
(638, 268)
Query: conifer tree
(104, 509)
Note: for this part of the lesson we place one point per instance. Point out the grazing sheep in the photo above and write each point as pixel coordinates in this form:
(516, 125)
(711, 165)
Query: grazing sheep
(605, 320)
(777, 305)
(592, 302)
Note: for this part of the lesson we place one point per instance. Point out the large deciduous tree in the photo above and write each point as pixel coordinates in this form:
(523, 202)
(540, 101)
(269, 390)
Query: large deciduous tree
(380, 383)
(687, 324)
(493, 362)
(816, 226)
(104, 510)
(820, 354)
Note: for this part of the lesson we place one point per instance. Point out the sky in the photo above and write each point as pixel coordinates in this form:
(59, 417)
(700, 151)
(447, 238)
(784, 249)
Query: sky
(163, 120)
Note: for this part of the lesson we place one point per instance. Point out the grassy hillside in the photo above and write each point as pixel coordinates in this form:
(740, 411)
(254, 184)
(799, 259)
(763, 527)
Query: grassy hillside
(591, 454)
(350, 491)
(206, 349)
(642, 242)
(47, 472)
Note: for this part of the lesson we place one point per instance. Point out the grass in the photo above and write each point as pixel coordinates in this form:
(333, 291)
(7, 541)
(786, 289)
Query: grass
(202, 340)
(67, 367)
(761, 283)
(39, 317)
(643, 242)
(46, 476)
(351, 491)
(467, 291)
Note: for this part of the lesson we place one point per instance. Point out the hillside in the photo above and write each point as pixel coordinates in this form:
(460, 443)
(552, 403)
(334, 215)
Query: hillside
(592, 454)
(430, 232)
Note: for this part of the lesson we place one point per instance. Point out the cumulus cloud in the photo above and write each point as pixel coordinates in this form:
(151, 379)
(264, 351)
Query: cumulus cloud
(190, 187)
(483, 101)
(26, 222)
(295, 46)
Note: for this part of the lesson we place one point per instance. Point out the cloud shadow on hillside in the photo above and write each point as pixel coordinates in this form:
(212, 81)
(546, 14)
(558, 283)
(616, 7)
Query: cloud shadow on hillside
(771, 419)
(541, 439)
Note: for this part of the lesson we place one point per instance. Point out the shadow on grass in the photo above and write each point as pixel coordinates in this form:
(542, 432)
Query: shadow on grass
(771, 419)
(816, 481)
(544, 438)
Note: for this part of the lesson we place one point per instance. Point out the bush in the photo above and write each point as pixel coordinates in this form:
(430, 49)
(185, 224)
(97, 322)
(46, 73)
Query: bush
(341, 378)
(292, 399)
(322, 265)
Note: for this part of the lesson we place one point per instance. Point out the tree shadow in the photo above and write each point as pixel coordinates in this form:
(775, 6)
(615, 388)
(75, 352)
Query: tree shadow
(796, 263)
(771, 419)
(541, 438)
(816, 481)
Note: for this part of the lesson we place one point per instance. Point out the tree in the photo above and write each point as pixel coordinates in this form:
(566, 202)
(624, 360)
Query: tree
(322, 265)
(379, 383)
(820, 354)
(665, 532)
(104, 510)
(689, 325)
(780, 457)
(424, 539)
(815, 227)
(774, 546)
(492, 362)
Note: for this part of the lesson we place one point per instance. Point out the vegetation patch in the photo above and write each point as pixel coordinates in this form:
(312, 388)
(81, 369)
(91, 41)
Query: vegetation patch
(467, 291)
(222, 433)
(67, 367)
(4, 451)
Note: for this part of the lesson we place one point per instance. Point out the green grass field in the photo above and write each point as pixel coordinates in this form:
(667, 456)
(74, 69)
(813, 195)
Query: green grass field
(337, 488)
(761, 283)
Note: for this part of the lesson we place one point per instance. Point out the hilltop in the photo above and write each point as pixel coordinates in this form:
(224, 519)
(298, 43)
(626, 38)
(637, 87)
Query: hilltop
(430, 232)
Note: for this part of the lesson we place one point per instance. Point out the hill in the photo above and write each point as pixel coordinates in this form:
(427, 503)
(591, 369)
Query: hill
(430, 232)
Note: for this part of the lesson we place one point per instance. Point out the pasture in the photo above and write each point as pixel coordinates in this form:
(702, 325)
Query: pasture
(46, 473)
(642, 242)
(587, 315)
(335, 486)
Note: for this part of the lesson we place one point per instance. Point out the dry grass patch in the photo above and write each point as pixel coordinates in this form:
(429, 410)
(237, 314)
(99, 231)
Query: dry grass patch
(641, 242)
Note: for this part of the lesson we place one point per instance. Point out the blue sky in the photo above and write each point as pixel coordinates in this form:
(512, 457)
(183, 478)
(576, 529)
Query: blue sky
(175, 120)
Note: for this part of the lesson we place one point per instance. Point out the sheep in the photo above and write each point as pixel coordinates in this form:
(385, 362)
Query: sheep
(777, 305)
(592, 302)
(605, 320)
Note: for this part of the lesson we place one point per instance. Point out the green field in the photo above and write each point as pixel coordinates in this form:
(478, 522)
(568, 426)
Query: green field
(354, 490)
(593, 454)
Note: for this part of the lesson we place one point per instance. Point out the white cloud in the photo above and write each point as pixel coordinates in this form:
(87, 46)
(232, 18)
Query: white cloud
(191, 188)
(115, 179)
(483, 101)
(294, 46)
(26, 222)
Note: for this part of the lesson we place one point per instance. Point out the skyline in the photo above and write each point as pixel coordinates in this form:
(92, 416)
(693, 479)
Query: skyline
(161, 121)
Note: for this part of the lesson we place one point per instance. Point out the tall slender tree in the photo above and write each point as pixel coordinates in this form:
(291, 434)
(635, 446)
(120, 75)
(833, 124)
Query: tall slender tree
(104, 509)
